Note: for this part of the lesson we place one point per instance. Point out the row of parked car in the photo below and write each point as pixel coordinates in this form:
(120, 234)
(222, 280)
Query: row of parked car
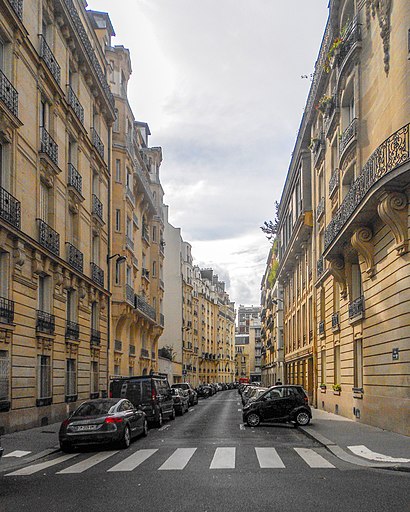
(207, 390)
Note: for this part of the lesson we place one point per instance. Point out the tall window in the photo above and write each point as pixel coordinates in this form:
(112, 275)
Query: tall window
(357, 290)
(43, 377)
(323, 367)
(71, 377)
(44, 202)
(4, 166)
(358, 363)
(336, 365)
(116, 125)
(154, 233)
(44, 293)
(129, 276)
(117, 273)
(154, 269)
(71, 306)
(4, 274)
(94, 316)
(4, 376)
(129, 229)
(118, 170)
(94, 384)
(117, 220)
(95, 249)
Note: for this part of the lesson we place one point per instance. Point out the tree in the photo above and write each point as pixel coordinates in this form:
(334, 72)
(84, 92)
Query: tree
(270, 228)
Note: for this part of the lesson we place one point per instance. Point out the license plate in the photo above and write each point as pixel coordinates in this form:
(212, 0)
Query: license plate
(87, 427)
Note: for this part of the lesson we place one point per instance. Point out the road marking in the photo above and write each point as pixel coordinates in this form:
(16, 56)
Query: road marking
(133, 460)
(179, 459)
(35, 468)
(224, 458)
(239, 410)
(364, 452)
(83, 465)
(313, 459)
(16, 453)
(242, 426)
(269, 458)
(165, 427)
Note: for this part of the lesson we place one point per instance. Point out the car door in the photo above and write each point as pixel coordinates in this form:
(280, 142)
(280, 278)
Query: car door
(268, 409)
(283, 404)
(129, 415)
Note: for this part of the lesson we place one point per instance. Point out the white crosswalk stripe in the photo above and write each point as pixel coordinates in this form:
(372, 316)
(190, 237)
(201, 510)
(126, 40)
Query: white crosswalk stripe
(313, 459)
(35, 468)
(83, 465)
(224, 458)
(269, 458)
(133, 460)
(179, 459)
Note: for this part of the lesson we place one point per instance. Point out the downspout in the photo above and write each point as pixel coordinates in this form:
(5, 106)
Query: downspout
(109, 261)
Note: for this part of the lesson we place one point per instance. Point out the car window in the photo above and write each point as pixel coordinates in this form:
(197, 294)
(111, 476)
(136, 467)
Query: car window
(96, 408)
(274, 393)
(146, 390)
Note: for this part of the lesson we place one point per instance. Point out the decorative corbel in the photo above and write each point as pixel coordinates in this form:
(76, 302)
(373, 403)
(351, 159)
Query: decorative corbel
(37, 263)
(392, 210)
(66, 280)
(19, 253)
(58, 276)
(383, 8)
(337, 270)
(361, 241)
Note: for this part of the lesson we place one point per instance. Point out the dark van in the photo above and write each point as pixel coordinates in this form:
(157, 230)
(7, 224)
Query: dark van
(152, 393)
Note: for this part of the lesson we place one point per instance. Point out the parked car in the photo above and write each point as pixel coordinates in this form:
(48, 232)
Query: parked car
(204, 391)
(150, 392)
(255, 394)
(1, 450)
(102, 421)
(193, 395)
(181, 400)
(247, 393)
(279, 404)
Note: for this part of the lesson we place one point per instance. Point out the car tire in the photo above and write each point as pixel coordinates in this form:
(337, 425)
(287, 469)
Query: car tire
(160, 420)
(302, 418)
(253, 419)
(66, 447)
(145, 429)
(126, 438)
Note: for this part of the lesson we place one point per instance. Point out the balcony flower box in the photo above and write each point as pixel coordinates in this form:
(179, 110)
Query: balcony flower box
(322, 388)
(337, 388)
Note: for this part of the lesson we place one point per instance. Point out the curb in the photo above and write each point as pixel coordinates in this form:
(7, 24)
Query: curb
(4, 466)
(341, 454)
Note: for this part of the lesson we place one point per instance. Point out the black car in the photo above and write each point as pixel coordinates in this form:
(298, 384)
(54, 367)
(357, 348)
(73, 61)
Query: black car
(1, 451)
(279, 404)
(102, 421)
(204, 391)
(193, 395)
(181, 400)
(152, 393)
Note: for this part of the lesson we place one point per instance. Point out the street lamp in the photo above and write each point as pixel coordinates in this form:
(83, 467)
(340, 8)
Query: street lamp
(120, 258)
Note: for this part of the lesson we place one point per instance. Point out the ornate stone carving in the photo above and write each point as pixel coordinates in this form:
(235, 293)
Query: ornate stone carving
(19, 253)
(58, 276)
(337, 270)
(37, 266)
(67, 280)
(361, 241)
(392, 209)
(382, 9)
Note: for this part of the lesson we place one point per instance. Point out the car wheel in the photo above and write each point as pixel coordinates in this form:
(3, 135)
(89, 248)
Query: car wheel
(160, 420)
(145, 428)
(253, 420)
(172, 417)
(66, 447)
(302, 418)
(126, 438)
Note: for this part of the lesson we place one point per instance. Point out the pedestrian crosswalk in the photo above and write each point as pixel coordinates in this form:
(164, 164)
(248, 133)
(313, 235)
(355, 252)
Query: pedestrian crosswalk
(220, 458)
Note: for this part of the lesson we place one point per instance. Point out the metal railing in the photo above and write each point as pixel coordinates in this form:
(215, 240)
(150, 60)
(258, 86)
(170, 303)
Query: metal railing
(48, 145)
(97, 274)
(334, 182)
(75, 257)
(356, 307)
(129, 294)
(349, 133)
(144, 307)
(97, 207)
(8, 94)
(320, 209)
(10, 208)
(97, 142)
(145, 353)
(45, 322)
(75, 104)
(95, 338)
(48, 238)
(132, 350)
(17, 6)
(6, 310)
(118, 345)
(72, 330)
(321, 329)
(50, 61)
(335, 320)
(74, 179)
(320, 266)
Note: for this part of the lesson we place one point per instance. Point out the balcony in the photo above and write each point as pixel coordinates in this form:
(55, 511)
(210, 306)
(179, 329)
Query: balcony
(145, 273)
(48, 238)
(144, 307)
(356, 308)
(335, 322)
(351, 37)
(97, 274)
(320, 209)
(75, 104)
(333, 182)
(72, 330)
(320, 267)
(161, 320)
(97, 142)
(75, 257)
(48, 146)
(129, 243)
(162, 286)
(74, 179)
(145, 233)
(391, 154)
(130, 195)
(153, 356)
(145, 353)
(8, 94)
(45, 322)
(117, 346)
(132, 350)
(49, 60)
(129, 294)
(10, 208)
(95, 338)
(349, 134)
(17, 6)
(318, 149)
(321, 328)
(6, 311)
(97, 208)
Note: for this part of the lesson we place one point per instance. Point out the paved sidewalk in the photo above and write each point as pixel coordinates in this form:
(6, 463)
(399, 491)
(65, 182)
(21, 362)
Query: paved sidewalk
(358, 443)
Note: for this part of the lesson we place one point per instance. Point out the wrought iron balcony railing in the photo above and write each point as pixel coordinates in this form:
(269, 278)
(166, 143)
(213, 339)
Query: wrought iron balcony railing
(334, 182)
(321, 329)
(335, 321)
(118, 345)
(144, 307)
(129, 293)
(392, 153)
(320, 209)
(48, 146)
(8, 94)
(129, 242)
(132, 350)
(320, 266)
(349, 134)
(50, 61)
(74, 179)
(6, 310)
(17, 6)
(75, 104)
(97, 207)
(153, 355)
(95, 338)
(129, 194)
(72, 330)
(97, 142)
(356, 307)
(145, 233)
(45, 322)
(145, 353)
(145, 273)
(162, 320)
(352, 35)
(48, 238)
(75, 257)
(97, 274)
(10, 208)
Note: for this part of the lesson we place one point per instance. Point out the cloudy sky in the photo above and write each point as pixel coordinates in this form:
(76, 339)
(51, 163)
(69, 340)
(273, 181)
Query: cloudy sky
(220, 84)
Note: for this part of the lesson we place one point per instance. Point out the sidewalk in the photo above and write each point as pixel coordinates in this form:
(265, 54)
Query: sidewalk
(358, 443)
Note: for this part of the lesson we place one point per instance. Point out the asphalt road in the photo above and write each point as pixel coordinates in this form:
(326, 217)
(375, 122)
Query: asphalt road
(205, 461)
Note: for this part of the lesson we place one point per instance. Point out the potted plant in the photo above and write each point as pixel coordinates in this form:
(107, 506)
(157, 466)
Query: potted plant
(324, 104)
(337, 388)
(323, 387)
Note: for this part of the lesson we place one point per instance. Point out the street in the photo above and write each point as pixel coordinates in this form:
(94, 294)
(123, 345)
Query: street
(206, 460)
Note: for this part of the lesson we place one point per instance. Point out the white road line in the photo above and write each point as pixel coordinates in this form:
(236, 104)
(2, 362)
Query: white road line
(241, 426)
(35, 468)
(179, 459)
(313, 459)
(88, 463)
(364, 452)
(239, 410)
(224, 458)
(16, 453)
(269, 458)
(133, 460)
(165, 427)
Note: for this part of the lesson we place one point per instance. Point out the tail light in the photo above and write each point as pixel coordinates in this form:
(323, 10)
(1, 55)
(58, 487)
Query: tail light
(306, 399)
(65, 422)
(176, 399)
(113, 419)
(111, 394)
(153, 394)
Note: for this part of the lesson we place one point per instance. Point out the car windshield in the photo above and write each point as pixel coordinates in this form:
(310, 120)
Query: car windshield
(96, 408)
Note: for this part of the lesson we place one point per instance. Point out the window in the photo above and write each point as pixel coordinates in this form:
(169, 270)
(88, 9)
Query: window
(44, 303)
(4, 166)
(71, 378)
(44, 377)
(154, 233)
(336, 365)
(116, 369)
(4, 274)
(71, 306)
(44, 202)
(117, 220)
(4, 376)
(357, 290)
(358, 363)
(117, 273)
(94, 384)
(154, 269)
(129, 276)
(130, 371)
(323, 367)
(95, 249)
(129, 229)
(94, 316)
(116, 126)
(118, 171)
